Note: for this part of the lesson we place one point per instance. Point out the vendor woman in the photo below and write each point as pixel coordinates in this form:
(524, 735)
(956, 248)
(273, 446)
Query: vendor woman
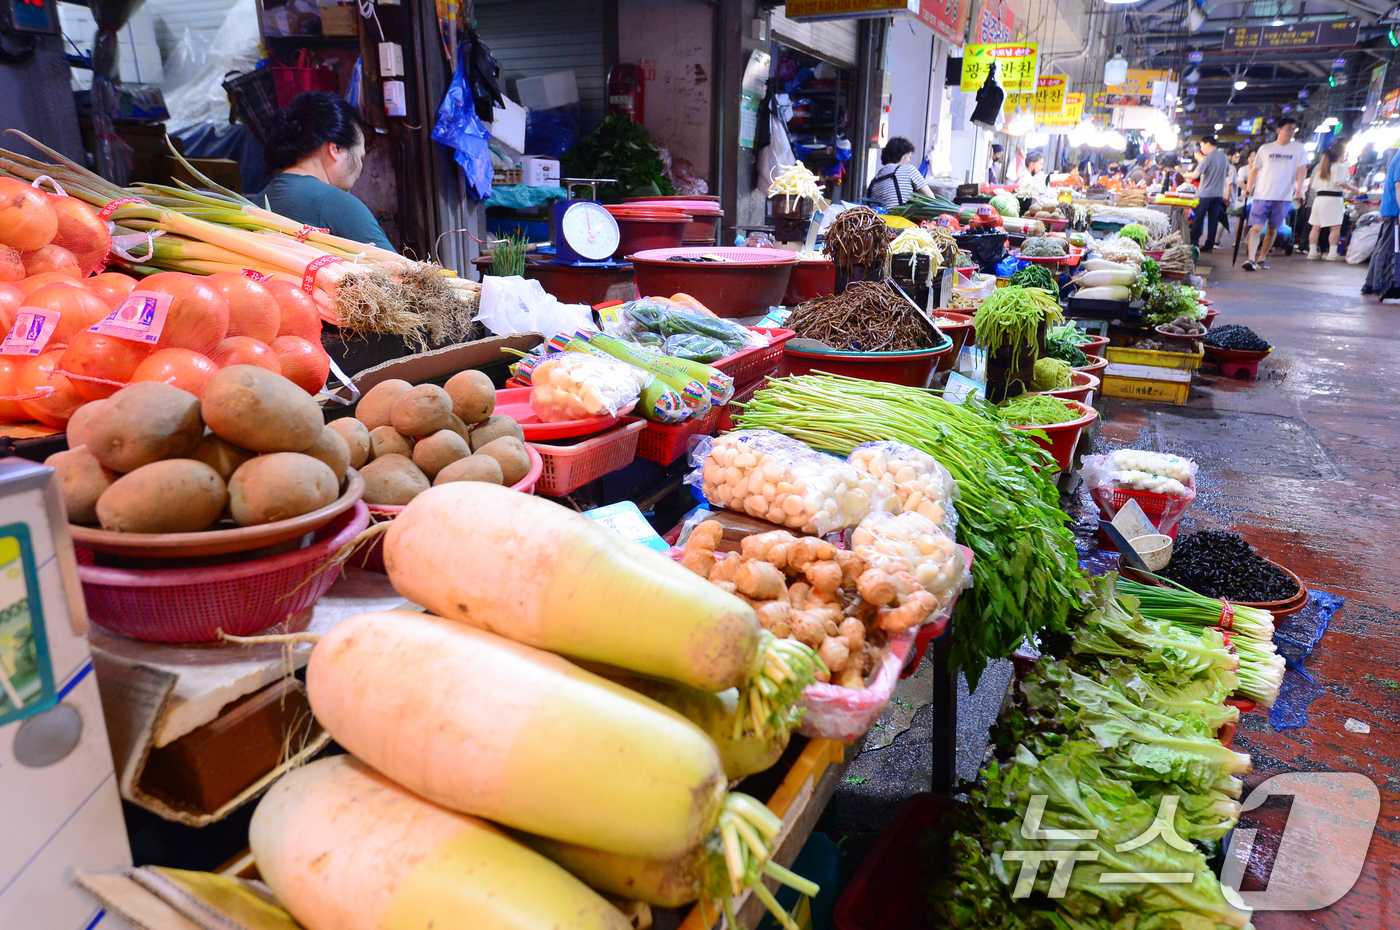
(317, 146)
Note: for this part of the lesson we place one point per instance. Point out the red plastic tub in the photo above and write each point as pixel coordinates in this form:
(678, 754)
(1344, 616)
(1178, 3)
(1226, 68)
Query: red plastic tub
(889, 890)
(1084, 385)
(1094, 344)
(1061, 438)
(639, 230)
(960, 334)
(810, 279)
(705, 214)
(908, 368)
(752, 281)
(1209, 319)
(191, 605)
(583, 284)
(1096, 366)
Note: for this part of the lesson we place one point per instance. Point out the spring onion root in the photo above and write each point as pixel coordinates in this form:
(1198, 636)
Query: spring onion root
(740, 855)
(782, 668)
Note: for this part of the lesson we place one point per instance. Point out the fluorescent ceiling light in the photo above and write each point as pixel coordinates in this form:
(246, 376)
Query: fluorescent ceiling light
(1241, 84)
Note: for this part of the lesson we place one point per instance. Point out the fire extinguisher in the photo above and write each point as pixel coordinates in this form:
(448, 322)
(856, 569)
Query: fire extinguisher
(625, 92)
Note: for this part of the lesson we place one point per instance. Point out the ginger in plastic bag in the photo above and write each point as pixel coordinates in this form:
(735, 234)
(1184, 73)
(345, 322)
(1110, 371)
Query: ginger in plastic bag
(574, 386)
(916, 481)
(772, 477)
(905, 545)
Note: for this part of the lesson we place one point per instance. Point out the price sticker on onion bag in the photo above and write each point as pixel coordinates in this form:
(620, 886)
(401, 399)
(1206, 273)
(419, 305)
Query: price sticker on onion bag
(140, 317)
(31, 331)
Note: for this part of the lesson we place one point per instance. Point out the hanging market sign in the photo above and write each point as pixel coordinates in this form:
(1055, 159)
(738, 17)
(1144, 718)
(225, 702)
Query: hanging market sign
(1337, 33)
(1016, 66)
(1232, 115)
(1390, 104)
(945, 17)
(1071, 117)
(847, 9)
(1373, 94)
(1139, 84)
(998, 23)
(1048, 99)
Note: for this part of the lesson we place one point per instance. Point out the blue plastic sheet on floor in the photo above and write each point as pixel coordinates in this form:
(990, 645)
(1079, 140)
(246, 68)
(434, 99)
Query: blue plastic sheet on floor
(1296, 636)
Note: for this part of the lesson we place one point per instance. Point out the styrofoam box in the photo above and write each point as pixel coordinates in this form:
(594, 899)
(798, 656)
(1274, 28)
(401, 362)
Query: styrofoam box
(547, 92)
(508, 127)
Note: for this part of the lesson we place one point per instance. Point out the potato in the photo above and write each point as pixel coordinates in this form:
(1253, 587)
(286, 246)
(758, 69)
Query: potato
(494, 427)
(280, 486)
(510, 453)
(385, 440)
(169, 496)
(78, 423)
(471, 468)
(144, 423)
(373, 408)
(356, 436)
(220, 454)
(392, 479)
(82, 479)
(332, 449)
(434, 453)
(461, 429)
(421, 411)
(473, 396)
(260, 410)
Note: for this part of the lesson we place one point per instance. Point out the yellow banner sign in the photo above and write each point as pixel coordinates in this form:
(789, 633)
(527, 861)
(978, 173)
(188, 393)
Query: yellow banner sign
(1073, 113)
(1048, 99)
(799, 9)
(1139, 83)
(1015, 64)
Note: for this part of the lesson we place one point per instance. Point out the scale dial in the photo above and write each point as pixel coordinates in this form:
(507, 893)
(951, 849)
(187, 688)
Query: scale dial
(589, 230)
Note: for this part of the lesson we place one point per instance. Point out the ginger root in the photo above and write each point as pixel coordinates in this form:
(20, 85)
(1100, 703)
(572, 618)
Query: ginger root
(768, 547)
(824, 576)
(707, 535)
(761, 581)
(834, 652)
(876, 587)
(851, 677)
(726, 569)
(852, 630)
(701, 561)
(852, 566)
(799, 594)
(917, 608)
(809, 627)
(774, 614)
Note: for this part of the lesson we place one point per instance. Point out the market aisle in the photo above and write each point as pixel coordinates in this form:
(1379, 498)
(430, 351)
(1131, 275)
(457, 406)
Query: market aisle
(1305, 463)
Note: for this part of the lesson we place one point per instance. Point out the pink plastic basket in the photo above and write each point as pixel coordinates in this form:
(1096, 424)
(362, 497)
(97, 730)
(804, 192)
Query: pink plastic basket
(752, 364)
(666, 442)
(190, 605)
(567, 468)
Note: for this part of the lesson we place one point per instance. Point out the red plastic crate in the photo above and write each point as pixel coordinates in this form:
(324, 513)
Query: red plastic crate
(666, 442)
(730, 412)
(752, 364)
(567, 468)
(1164, 510)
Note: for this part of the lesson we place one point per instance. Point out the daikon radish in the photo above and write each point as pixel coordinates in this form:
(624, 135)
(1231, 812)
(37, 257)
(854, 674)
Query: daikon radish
(1125, 277)
(673, 882)
(1110, 292)
(544, 575)
(1103, 264)
(494, 728)
(344, 848)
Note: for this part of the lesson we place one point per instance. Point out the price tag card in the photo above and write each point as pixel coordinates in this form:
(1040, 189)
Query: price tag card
(626, 518)
(140, 317)
(959, 388)
(31, 331)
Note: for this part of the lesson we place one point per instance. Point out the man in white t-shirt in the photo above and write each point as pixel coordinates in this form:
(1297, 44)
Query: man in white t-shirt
(1275, 184)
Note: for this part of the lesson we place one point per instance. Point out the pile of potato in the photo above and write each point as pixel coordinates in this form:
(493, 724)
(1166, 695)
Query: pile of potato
(408, 437)
(153, 458)
(806, 589)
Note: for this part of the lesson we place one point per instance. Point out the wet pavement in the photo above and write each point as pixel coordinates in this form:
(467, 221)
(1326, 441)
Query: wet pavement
(1304, 462)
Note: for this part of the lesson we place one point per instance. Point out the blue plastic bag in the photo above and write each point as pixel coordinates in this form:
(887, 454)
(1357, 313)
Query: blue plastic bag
(460, 129)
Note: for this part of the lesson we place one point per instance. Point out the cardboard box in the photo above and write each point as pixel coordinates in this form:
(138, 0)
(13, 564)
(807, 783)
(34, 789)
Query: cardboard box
(342, 20)
(547, 92)
(537, 171)
(1145, 382)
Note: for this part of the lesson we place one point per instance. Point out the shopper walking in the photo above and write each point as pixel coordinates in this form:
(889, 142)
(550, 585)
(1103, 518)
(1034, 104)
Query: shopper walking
(1330, 180)
(1212, 177)
(897, 180)
(1276, 182)
(1380, 276)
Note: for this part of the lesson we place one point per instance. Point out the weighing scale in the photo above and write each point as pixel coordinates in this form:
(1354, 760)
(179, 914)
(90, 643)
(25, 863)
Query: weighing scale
(584, 236)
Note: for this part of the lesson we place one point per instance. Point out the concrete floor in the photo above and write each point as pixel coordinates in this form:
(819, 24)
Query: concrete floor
(1305, 463)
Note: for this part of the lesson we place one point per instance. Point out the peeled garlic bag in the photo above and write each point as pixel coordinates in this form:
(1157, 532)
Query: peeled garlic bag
(772, 477)
(912, 542)
(916, 481)
(575, 386)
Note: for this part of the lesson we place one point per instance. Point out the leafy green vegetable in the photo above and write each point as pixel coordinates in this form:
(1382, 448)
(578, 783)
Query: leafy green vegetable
(618, 148)
(1036, 410)
(1005, 204)
(1163, 302)
(1064, 342)
(1134, 232)
(1036, 276)
(1012, 315)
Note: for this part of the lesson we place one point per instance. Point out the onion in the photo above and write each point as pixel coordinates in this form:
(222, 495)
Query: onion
(49, 258)
(299, 314)
(112, 287)
(31, 284)
(187, 370)
(252, 310)
(78, 306)
(82, 233)
(10, 410)
(27, 222)
(98, 355)
(245, 350)
(11, 299)
(11, 265)
(36, 374)
(198, 317)
(304, 363)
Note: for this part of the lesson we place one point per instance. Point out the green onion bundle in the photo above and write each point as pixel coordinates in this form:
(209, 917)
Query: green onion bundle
(1026, 571)
(1036, 410)
(1012, 315)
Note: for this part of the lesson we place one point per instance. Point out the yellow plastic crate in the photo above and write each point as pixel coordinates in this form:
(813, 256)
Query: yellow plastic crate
(1186, 361)
(1144, 382)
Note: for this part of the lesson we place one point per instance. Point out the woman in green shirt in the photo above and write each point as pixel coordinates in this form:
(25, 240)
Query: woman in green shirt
(318, 146)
